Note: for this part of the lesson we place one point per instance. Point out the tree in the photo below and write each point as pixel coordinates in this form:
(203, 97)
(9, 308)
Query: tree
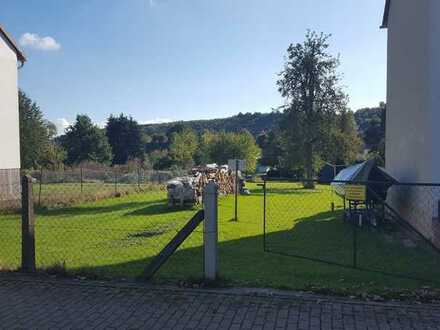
(160, 160)
(271, 149)
(125, 138)
(345, 144)
(85, 141)
(220, 147)
(178, 127)
(53, 156)
(35, 132)
(371, 122)
(310, 85)
(183, 147)
(157, 142)
(203, 153)
(350, 143)
(246, 148)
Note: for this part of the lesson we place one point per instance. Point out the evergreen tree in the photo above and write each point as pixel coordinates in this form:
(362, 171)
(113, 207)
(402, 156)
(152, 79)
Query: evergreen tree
(85, 141)
(125, 138)
(36, 133)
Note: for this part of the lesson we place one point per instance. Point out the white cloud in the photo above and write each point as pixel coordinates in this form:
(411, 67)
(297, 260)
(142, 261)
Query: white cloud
(61, 124)
(33, 40)
(156, 121)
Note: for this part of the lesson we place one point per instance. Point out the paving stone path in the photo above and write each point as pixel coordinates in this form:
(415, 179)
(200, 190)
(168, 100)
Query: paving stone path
(44, 304)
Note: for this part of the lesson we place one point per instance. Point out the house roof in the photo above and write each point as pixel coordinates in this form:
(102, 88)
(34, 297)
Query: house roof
(13, 45)
(386, 14)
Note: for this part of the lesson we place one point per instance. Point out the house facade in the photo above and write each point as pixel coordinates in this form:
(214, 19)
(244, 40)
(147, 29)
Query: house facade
(11, 58)
(413, 109)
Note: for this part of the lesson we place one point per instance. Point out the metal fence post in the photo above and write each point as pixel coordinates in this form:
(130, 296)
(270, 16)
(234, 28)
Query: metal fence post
(27, 226)
(236, 190)
(264, 213)
(210, 234)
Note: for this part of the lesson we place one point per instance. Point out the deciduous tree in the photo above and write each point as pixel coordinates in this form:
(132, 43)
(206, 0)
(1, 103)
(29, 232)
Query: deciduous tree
(184, 144)
(310, 85)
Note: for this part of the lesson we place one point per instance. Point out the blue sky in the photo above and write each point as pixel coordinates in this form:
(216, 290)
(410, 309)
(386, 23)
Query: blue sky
(184, 59)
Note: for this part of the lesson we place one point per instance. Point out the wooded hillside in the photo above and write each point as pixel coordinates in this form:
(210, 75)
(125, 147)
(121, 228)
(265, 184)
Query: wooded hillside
(256, 123)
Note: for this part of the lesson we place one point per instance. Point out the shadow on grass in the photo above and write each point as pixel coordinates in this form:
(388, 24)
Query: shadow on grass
(323, 236)
(85, 209)
(159, 208)
(294, 189)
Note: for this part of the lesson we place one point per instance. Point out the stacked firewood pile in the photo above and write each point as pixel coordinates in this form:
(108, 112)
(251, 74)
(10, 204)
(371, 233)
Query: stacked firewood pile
(190, 189)
(221, 175)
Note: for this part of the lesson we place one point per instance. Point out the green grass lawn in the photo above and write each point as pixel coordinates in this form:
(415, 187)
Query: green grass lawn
(117, 237)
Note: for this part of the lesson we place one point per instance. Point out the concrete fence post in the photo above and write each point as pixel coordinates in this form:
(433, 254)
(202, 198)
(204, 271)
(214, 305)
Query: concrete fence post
(27, 225)
(210, 234)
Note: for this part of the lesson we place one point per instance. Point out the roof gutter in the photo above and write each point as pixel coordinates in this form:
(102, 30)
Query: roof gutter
(386, 15)
(20, 55)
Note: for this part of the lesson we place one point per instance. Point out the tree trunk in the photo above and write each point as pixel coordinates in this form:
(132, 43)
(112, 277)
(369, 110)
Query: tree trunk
(309, 183)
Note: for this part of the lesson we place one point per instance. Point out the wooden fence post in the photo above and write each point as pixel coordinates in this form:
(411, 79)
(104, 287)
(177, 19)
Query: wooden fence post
(210, 234)
(27, 226)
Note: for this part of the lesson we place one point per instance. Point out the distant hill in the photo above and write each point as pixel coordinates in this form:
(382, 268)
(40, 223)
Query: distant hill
(256, 123)
(367, 120)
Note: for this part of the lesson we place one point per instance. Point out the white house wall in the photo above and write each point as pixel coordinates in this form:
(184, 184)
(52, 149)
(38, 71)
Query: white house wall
(408, 141)
(413, 111)
(9, 123)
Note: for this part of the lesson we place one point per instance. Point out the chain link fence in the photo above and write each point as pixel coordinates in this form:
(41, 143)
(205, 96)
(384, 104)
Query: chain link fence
(99, 223)
(396, 233)
(83, 184)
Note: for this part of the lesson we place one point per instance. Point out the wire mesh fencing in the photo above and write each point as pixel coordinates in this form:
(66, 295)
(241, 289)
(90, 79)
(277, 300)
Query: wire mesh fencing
(10, 228)
(110, 238)
(85, 184)
(102, 224)
(393, 230)
(405, 240)
(307, 223)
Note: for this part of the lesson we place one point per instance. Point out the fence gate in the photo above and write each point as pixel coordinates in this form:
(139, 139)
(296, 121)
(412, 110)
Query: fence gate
(319, 225)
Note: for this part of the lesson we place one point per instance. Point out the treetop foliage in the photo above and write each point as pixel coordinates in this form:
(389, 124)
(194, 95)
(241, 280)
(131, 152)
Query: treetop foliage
(125, 138)
(86, 142)
(36, 136)
(315, 107)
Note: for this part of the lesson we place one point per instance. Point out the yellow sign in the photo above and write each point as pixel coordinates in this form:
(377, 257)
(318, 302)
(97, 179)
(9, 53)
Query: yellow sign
(355, 192)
